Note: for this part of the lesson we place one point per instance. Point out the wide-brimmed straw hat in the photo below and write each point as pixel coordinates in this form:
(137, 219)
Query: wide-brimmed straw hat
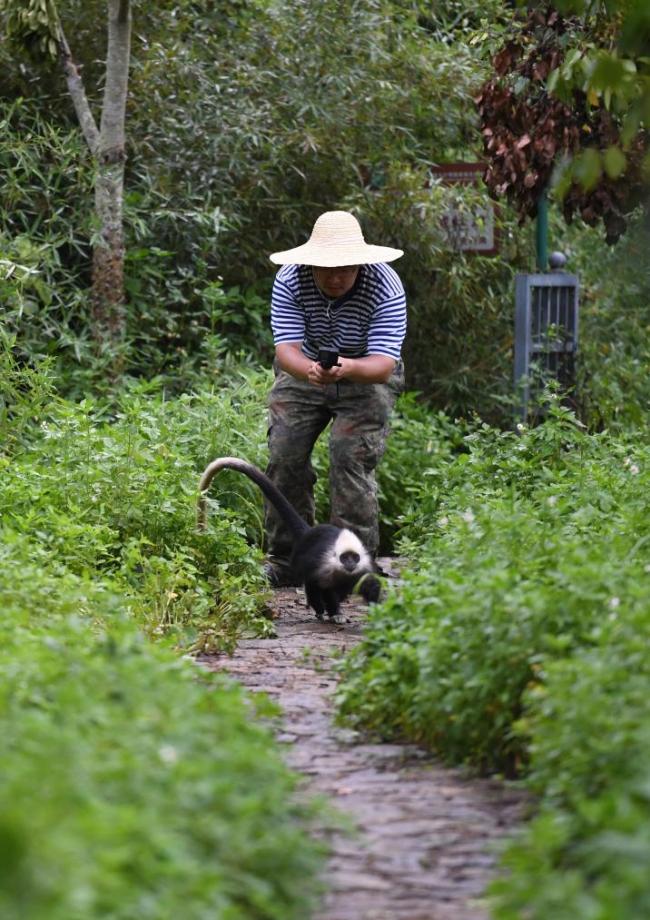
(336, 240)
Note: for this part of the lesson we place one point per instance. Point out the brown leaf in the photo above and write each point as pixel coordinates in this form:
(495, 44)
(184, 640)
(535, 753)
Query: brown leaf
(540, 70)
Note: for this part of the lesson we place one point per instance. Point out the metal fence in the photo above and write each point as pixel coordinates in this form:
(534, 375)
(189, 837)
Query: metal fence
(546, 334)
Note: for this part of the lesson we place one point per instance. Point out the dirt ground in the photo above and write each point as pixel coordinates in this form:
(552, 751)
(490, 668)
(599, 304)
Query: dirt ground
(423, 838)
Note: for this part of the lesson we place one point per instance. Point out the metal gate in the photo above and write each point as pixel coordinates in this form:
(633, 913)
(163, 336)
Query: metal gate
(546, 335)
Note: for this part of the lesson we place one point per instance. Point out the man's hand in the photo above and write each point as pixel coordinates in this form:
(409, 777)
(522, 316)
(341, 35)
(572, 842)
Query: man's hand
(318, 376)
(371, 369)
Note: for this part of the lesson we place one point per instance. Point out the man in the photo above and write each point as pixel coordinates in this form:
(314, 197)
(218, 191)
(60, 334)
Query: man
(334, 292)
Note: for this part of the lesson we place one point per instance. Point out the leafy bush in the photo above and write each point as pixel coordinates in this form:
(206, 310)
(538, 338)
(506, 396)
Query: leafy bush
(516, 643)
(25, 394)
(117, 496)
(588, 848)
(183, 321)
(44, 233)
(615, 318)
(133, 783)
(518, 547)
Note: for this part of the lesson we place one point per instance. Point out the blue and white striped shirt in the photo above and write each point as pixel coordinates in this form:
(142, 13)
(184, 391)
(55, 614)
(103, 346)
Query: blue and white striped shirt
(369, 320)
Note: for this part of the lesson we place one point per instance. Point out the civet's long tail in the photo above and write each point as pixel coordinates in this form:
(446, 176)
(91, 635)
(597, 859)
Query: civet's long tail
(283, 506)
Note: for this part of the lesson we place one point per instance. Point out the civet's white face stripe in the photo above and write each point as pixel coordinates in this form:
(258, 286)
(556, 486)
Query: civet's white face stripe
(346, 542)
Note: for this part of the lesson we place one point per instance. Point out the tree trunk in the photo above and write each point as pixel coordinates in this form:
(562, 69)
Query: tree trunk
(108, 256)
(107, 297)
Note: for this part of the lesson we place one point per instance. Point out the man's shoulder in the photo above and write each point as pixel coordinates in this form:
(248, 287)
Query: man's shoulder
(383, 280)
(295, 281)
(293, 274)
(287, 273)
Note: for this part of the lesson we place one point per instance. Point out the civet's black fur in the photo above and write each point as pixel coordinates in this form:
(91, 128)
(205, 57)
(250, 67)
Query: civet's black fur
(329, 572)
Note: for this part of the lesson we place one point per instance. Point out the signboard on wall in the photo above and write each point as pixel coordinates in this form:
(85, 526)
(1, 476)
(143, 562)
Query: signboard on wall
(469, 229)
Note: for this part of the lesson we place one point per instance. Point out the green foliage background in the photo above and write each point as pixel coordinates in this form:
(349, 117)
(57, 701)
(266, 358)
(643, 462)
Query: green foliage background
(244, 124)
(515, 642)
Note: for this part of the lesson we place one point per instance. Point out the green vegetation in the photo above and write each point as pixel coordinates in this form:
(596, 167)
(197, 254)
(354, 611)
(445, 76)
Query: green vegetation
(615, 320)
(243, 125)
(114, 491)
(134, 783)
(515, 644)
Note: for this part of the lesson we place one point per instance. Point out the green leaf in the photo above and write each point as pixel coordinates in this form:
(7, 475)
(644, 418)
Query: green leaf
(614, 161)
(552, 80)
(588, 168)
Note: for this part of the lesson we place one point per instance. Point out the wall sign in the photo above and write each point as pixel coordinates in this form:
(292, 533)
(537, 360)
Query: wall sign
(472, 229)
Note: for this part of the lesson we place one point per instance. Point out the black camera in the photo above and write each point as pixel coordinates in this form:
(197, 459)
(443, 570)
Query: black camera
(328, 358)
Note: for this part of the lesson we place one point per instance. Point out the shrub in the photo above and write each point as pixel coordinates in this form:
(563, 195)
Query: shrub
(118, 496)
(517, 548)
(45, 234)
(26, 392)
(133, 783)
(587, 850)
(516, 642)
(615, 317)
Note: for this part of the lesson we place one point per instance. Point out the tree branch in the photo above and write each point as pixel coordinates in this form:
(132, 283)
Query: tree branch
(78, 95)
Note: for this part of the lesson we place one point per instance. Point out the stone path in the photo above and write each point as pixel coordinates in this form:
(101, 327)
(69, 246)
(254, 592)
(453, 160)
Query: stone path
(422, 846)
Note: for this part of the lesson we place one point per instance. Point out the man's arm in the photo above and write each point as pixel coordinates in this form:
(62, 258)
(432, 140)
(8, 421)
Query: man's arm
(291, 359)
(371, 369)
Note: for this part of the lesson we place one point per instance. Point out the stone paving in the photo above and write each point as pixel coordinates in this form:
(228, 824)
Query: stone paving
(421, 842)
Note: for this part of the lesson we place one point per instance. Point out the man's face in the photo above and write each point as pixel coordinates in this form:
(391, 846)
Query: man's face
(335, 282)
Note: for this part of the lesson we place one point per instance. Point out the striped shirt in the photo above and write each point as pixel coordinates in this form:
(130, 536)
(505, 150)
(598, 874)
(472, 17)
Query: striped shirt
(369, 320)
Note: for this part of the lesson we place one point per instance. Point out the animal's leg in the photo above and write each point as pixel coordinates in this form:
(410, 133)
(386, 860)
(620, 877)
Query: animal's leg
(332, 603)
(370, 589)
(315, 599)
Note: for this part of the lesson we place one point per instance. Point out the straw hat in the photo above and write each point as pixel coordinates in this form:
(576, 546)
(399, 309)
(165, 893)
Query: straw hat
(336, 240)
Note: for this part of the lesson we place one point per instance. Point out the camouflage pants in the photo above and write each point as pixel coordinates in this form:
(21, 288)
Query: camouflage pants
(298, 413)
